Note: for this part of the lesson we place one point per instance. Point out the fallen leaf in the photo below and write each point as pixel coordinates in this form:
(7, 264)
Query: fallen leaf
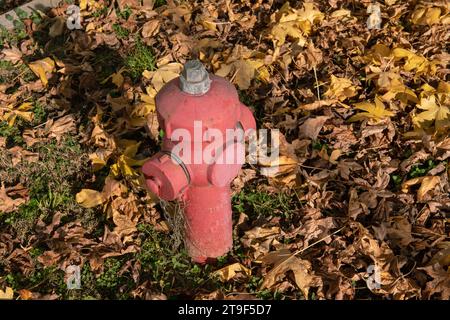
(438, 114)
(312, 126)
(88, 198)
(150, 28)
(428, 184)
(8, 294)
(375, 112)
(10, 113)
(60, 127)
(41, 68)
(13, 55)
(25, 294)
(294, 23)
(229, 272)
(165, 73)
(9, 204)
(341, 89)
(57, 28)
(283, 262)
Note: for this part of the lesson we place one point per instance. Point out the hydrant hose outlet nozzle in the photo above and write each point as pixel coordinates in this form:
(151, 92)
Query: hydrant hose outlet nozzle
(194, 111)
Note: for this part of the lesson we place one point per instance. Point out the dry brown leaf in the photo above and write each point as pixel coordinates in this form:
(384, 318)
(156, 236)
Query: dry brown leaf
(284, 262)
(428, 184)
(19, 154)
(13, 55)
(150, 28)
(312, 126)
(57, 28)
(64, 125)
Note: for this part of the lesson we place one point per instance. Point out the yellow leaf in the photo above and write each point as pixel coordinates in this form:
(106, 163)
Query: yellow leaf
(407, 184)
(443, 87)
(310, 13)
(341, 13)
(209, 25)
(229, 272)
(377, 54)
(83, 5)
(280, 31)
(243, 71)
(165, 73)
(147, 74)
(41, 68)
(88, 198)
(116, 78)
(438, 114)
(8, 294)
(263, 74)
(125, 164)
(22, 111)
(426, 16)
(97, 161)
(375, 111)
(294, 23)
(340, 88)
(415, 62)
(130, 146)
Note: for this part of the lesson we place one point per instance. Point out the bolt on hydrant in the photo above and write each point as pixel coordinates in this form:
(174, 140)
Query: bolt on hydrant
(204, 126)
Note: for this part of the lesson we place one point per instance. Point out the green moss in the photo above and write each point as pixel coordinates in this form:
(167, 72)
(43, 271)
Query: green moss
(159, 3)
(125, 13)
(421, 169)
(39, 114)
(120, 31)
(168, 268)
(140, 58)
(256, 204)
(110, 278)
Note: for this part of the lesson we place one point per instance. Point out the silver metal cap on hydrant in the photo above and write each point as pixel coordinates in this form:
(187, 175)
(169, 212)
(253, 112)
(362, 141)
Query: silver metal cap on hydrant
(194, 78)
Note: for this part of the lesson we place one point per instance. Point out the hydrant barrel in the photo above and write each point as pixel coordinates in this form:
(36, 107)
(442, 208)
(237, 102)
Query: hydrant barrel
(199, 159)
(208, 222)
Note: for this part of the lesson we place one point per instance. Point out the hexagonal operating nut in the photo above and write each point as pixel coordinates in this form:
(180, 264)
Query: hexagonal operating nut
(194, 78)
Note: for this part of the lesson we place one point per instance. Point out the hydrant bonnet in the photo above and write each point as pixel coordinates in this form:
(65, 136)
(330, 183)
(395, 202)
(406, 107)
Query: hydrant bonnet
(194, 78)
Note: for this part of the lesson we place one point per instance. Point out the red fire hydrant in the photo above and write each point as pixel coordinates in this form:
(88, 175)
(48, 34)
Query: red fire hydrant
(196, 166)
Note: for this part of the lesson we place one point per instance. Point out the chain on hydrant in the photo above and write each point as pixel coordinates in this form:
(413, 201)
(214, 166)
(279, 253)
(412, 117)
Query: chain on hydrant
(202, 152)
